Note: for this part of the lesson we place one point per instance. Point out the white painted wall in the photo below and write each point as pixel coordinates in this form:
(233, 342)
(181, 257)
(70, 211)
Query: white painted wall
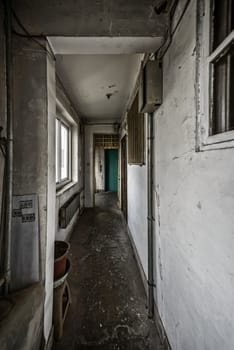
(51, 190)
(137, 208)
(99, 169)
(90, 130)
(194, 201)
(89, 79)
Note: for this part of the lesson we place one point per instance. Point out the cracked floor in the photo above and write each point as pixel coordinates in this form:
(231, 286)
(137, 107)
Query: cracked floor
(108, 310)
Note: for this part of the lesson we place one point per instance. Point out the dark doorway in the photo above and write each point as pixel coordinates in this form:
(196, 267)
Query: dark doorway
(111, 170)
(124, 200)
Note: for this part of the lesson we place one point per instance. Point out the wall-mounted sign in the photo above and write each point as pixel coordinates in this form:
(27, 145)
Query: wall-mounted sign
(25, 241)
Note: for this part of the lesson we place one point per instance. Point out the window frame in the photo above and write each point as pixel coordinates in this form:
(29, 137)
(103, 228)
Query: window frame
(63, 122)
(204, 89)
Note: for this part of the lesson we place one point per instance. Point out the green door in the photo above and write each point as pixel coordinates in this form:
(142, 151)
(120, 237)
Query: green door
(111, 170)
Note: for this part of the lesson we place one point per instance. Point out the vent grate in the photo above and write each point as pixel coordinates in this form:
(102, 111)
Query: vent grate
(107, 141)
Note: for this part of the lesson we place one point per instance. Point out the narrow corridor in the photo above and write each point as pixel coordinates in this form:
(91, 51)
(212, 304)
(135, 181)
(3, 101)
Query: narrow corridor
(108, 308)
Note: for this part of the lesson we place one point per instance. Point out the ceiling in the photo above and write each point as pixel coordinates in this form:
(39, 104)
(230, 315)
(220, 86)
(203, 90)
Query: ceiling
(99, 85)
(99, 74)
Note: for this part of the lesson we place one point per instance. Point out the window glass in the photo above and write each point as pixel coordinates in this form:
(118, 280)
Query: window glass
(223, 111)
(57, 153)
(222, 21)
(222, 68)
(64, 151)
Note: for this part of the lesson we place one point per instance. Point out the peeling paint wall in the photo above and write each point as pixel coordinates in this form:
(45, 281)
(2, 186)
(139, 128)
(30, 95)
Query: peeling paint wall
(194, 200)
(196, 205)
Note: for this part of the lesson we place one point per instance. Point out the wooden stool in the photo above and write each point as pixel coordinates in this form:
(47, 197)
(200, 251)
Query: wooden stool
(62, 300)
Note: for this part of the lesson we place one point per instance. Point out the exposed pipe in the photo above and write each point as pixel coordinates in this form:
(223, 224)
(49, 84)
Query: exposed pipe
(9, 144)
(151, 285)
(3, 212)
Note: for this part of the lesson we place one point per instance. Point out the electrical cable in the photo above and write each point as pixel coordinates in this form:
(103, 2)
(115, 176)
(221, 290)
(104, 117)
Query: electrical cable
(2, 143)
(3, 151)
(171, 35)
(21, 25)
(28, 35)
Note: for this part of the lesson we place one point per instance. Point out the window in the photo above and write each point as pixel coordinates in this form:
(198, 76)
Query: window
(63, 152)
(136, 135)
(221, 67)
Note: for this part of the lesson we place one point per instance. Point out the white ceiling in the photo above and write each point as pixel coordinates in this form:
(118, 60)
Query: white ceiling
(99, 74)
(99, 85)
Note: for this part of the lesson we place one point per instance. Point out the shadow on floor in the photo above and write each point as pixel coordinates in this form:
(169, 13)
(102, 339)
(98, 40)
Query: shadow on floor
(106, 200)
(108, 310)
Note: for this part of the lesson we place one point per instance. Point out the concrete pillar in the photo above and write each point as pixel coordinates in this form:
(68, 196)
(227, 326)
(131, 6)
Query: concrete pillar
(2, 96)
(34, 150)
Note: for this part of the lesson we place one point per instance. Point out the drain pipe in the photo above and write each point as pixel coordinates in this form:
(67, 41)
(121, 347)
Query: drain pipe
(151, 284)
(9, 144)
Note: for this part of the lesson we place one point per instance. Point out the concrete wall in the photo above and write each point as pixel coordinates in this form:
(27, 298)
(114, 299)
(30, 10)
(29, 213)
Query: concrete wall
(90, 130)
(79, 18)
(2, 119)
(34, 142)
(22, 328)
(34, 153)
(2, 96)
(76, 185)
(194, 204)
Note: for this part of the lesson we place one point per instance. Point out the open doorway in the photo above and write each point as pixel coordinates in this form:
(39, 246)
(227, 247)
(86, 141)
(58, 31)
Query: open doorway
(106, 153)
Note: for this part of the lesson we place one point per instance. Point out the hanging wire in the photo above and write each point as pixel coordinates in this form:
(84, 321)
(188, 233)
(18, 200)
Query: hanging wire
(3, 151)
(169, 34)
(30, 36)
(2, 143)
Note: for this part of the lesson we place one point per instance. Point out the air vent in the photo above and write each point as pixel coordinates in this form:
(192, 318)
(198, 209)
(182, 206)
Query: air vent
(106, 141)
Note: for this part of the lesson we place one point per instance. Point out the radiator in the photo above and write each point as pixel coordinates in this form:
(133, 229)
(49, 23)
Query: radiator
(67, 211)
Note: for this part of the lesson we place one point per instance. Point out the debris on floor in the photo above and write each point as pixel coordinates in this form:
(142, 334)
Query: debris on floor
(108, 310)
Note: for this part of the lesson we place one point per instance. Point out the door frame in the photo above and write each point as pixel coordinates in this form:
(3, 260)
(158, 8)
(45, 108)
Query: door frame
(124, 177)
(93, 161)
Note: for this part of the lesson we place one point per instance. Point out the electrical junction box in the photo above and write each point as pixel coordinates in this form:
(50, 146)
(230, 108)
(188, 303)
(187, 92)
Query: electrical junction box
(150, 89)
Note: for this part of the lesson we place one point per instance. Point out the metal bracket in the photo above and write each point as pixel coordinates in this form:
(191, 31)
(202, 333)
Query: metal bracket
(151, 284)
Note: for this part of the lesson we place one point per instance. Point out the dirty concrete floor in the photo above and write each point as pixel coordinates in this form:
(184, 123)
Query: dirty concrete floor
(106, 200)
(108, 310)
